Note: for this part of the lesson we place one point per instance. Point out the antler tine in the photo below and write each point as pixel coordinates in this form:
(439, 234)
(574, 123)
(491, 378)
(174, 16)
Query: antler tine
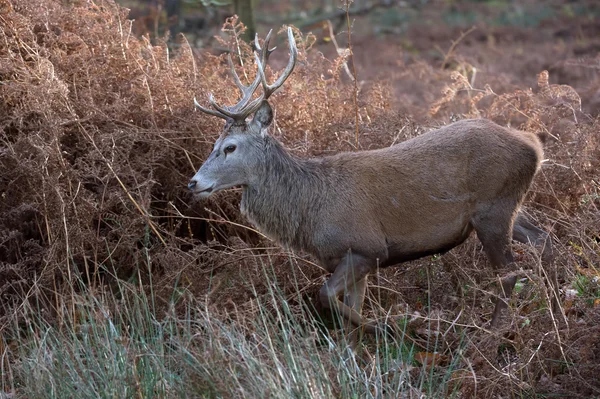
(229, 113)
(247, 91)
(224, 109)
(210, 111)
(245, 107)
(266, 52)
(252, 106)
(268, 90)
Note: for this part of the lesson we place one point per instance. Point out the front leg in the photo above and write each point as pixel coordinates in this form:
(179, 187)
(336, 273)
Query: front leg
(354, 298)
(349, 278)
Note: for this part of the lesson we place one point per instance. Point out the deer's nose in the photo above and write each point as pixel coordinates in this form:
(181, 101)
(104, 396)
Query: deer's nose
(192, 184)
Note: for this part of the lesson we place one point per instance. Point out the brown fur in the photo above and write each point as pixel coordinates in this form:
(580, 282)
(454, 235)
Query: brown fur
(417, 197)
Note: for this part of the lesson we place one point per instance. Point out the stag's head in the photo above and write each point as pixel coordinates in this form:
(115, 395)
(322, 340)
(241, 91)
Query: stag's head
(237, 153)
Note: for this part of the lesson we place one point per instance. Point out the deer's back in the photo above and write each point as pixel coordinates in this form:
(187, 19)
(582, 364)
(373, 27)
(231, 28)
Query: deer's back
(419, 196)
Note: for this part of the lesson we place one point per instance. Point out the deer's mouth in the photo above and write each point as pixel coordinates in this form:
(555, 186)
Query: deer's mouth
(203, 193)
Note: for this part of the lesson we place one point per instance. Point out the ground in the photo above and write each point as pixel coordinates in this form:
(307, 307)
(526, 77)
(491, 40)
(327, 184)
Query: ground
(99, 138)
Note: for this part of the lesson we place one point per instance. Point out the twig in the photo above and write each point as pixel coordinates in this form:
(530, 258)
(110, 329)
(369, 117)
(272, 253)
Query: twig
(353, 68)
(454, 44)
(142, 211)
(219, 220)
(339, 51)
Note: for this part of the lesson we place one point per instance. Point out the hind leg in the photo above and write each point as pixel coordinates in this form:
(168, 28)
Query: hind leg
(494, 228)
(526, 232)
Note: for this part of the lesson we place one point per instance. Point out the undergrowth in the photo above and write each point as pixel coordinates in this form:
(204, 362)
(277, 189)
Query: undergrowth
(115, 284)
(115, 344)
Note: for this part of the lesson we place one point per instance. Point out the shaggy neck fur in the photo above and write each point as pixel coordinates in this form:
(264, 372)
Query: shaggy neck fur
(285, 191)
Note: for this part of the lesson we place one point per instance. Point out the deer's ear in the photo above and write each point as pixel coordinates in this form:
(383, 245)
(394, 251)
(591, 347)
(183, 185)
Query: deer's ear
(262, 117)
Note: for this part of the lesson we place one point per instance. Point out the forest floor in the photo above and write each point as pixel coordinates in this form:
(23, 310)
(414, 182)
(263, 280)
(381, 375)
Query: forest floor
(116, 283)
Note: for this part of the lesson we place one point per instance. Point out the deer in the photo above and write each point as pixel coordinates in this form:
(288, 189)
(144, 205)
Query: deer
(359, 211)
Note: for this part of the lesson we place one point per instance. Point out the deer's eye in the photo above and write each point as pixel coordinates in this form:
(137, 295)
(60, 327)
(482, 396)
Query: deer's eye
(229, 149)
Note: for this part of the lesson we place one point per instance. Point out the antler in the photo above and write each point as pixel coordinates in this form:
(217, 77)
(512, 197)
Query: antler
(245, 107)
(268, 90)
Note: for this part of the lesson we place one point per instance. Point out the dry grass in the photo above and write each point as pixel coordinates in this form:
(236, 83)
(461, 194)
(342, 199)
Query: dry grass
(99, 137)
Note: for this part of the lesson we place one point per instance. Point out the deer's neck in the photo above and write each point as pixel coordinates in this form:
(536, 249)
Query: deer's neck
(284, 201)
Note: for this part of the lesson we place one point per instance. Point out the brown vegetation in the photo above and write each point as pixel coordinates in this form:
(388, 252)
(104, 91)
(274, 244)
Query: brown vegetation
(99, 137)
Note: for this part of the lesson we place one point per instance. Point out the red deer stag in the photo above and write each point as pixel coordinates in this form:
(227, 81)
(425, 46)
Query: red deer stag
(357, 211)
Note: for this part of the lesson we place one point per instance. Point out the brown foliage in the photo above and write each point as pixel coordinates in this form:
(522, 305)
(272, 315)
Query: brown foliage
(99, 138)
